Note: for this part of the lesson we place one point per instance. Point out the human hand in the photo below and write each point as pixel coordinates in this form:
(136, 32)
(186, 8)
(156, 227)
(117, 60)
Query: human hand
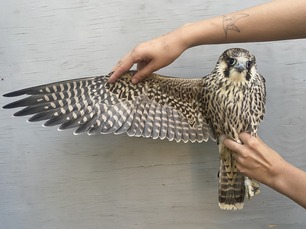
(150, 56)
(255, 159)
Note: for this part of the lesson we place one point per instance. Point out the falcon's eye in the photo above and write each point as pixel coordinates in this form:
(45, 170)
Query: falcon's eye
(249, 64)
(232, 61)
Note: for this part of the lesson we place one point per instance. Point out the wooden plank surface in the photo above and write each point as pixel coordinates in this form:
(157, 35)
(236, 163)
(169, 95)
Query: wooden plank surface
(51, 179)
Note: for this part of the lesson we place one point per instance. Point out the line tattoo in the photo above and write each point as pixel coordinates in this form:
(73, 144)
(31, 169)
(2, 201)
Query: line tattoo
(229, 22)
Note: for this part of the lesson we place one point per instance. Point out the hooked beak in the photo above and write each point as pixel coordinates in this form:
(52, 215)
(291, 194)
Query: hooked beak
(240, 66)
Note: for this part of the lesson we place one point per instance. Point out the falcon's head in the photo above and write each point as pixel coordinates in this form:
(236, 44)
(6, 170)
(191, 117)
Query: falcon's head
(238, 65)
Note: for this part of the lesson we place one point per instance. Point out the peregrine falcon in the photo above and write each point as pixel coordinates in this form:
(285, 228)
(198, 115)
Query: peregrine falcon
(228, 101)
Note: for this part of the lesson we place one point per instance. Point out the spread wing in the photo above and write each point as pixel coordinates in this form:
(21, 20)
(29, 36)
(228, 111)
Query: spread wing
(158, 107)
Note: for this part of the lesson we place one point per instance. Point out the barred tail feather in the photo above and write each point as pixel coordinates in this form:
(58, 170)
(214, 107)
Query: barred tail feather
(231, 190)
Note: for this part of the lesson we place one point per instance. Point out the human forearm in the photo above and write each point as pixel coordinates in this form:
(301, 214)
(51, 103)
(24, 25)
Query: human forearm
(292, 183)
(276, 20)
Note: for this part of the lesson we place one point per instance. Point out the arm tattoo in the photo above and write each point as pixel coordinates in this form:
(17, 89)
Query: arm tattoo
(229, 22)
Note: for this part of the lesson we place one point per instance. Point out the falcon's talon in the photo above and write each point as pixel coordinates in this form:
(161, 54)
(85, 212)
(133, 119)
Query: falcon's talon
(252, 187)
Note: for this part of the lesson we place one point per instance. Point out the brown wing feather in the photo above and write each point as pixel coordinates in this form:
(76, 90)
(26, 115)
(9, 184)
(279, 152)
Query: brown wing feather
(158, 107)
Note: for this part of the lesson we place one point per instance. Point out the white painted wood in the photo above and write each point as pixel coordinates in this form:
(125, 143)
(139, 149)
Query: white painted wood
(51, 179)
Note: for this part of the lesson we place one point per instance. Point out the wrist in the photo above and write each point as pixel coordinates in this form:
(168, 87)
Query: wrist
(180, 38)
(202, 32)
(278, 175)
(189, 34)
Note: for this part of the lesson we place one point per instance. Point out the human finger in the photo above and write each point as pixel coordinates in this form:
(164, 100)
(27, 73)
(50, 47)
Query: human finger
(123, 66)
(144, 72)
(235, 155)
(232, 145)
(141, 64)
(244, 137)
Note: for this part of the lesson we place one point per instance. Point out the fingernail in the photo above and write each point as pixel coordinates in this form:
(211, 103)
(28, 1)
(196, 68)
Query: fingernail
(134, 80)
(111, 80)
(222, 138)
